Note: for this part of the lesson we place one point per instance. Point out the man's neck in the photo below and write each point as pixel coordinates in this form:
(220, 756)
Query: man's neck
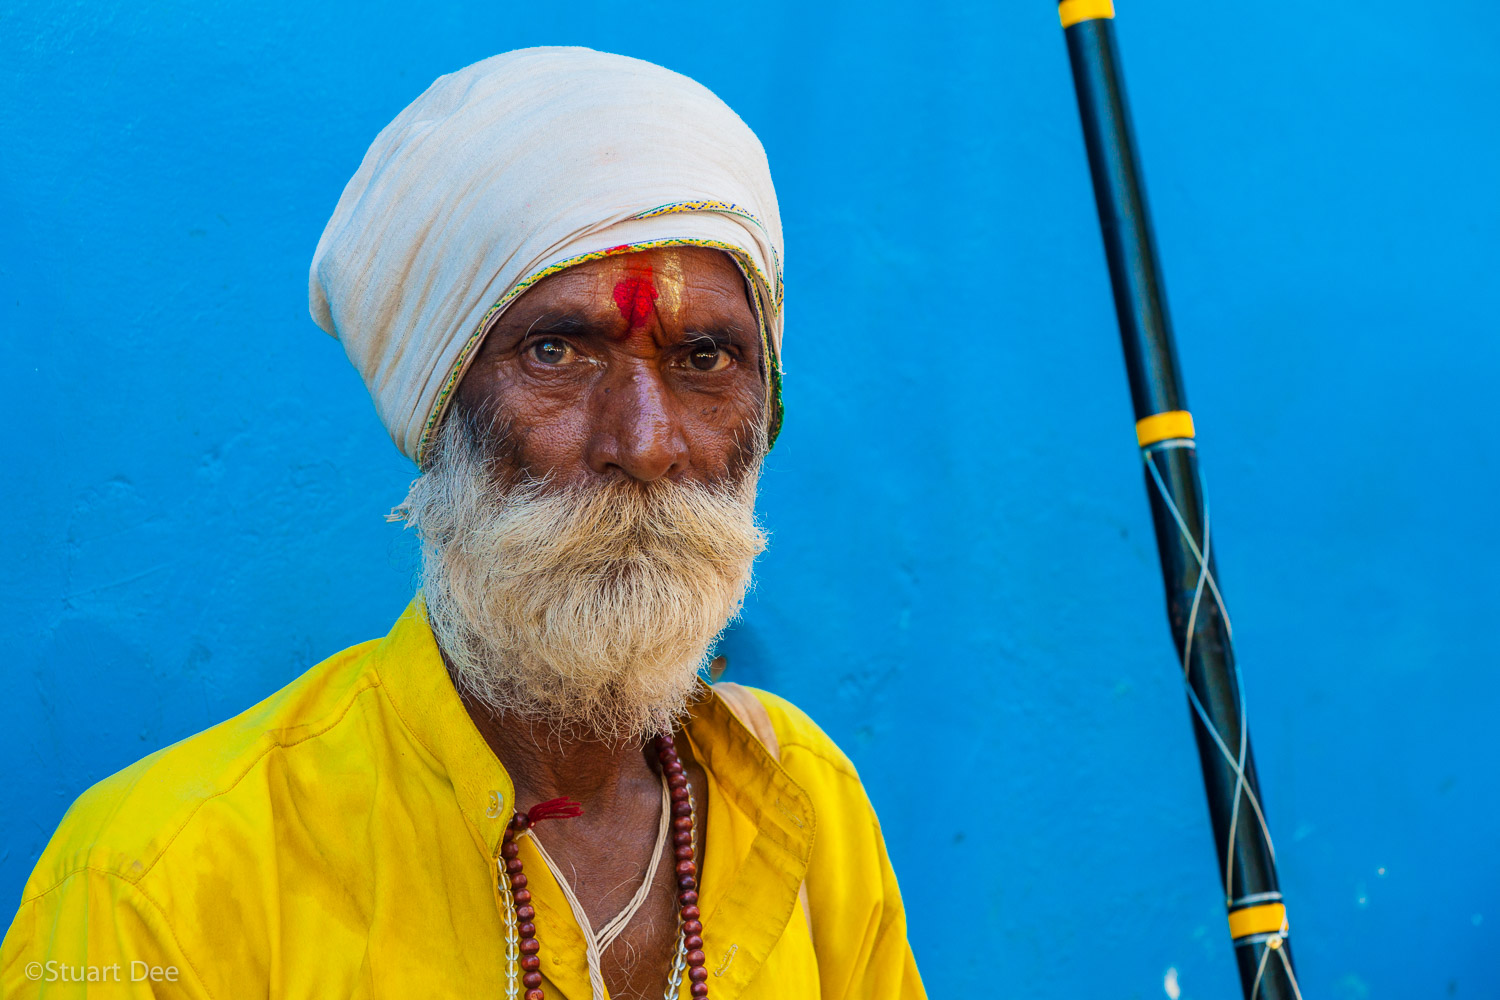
(546, 761)
(603, 853)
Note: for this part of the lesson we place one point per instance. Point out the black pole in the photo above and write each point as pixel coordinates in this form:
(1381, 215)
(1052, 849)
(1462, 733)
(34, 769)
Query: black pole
(1164, 430)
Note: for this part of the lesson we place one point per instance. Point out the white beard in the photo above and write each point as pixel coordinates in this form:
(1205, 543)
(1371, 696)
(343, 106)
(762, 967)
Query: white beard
(590, 608)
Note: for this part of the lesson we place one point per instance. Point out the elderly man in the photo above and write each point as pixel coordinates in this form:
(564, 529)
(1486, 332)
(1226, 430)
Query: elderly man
(559, 274)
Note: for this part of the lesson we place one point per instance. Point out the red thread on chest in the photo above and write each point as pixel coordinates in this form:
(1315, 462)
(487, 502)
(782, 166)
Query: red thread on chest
(635, 296)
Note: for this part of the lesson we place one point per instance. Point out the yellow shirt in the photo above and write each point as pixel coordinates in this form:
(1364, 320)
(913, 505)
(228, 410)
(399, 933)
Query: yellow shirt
(340, 839)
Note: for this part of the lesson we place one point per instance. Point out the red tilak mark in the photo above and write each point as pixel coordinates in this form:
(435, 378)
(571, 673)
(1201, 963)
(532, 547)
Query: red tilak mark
(635, 296)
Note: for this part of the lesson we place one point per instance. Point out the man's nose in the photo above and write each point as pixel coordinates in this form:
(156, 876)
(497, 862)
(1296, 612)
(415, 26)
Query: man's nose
(636, 427)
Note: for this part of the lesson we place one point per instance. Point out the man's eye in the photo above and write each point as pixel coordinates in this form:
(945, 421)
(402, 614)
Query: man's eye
(553, 352)
(708, 358)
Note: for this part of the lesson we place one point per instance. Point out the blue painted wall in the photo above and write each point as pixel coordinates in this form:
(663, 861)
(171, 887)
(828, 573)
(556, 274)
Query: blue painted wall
(962, 586)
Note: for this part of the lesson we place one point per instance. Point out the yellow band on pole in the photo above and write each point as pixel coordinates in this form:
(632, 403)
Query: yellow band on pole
(1267, 918)
(1162, 426)
(1070, 12)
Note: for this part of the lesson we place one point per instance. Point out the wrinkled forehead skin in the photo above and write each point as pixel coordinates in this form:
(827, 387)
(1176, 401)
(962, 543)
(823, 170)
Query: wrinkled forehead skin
(512, 170)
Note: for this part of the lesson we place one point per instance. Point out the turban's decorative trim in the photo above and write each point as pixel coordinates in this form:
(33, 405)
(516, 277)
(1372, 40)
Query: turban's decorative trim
(727, 208)
(460, 363)
(773, 364)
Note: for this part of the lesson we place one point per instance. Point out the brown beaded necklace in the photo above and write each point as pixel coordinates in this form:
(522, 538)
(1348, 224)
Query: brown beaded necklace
(690, 929)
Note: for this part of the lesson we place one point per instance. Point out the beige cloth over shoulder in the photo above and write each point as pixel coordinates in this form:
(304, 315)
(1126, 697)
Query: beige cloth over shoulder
(510, 170)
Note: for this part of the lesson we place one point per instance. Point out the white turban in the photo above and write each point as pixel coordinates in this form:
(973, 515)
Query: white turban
(513, 169)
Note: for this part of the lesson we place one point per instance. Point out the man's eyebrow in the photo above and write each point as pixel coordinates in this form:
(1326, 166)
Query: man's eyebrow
(719, 333)
(577, 323)
(570, 323)
(562, 322)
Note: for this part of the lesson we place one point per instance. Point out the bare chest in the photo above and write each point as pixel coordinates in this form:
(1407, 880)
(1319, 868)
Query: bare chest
(606, 863)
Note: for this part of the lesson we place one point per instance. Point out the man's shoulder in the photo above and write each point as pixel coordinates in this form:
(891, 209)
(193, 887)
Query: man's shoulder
(846, 824)
(124, 824)
(801, 737)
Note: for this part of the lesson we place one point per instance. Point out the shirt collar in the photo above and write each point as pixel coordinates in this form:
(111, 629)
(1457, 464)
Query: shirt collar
(415, 679)
(749, 891)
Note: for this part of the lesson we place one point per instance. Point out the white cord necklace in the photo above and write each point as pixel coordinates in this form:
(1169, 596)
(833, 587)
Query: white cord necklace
(596, 943)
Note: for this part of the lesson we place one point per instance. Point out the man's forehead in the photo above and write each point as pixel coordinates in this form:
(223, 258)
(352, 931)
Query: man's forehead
(663, 265)
(632, 285)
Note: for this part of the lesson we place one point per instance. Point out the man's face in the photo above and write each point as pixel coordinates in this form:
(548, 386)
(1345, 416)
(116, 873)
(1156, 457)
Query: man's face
(642, 366)
(588, 507)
